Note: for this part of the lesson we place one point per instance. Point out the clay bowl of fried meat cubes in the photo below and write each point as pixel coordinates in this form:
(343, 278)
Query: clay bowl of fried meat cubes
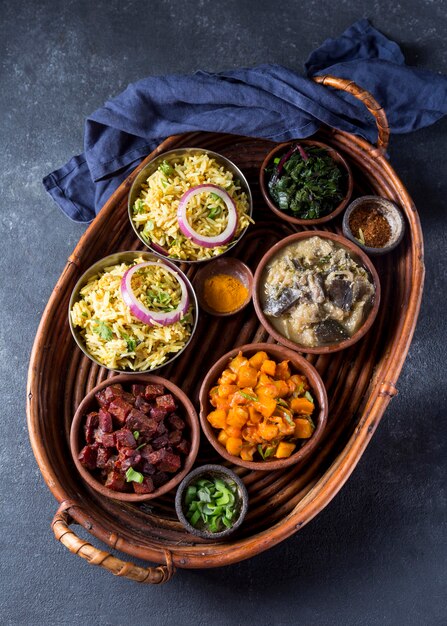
(134, 438)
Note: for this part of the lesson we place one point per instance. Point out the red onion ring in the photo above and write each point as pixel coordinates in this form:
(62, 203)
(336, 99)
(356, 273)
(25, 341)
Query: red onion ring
(144, 314)
(201, 240)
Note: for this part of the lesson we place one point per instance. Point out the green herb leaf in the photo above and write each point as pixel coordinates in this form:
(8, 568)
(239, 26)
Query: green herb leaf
(104, 331)
(248, 396)
(166, 168)
(215, 211)
(309, 397)
(133, 476)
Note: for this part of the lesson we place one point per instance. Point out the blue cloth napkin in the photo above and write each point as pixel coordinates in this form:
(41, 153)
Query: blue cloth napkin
(268, 101)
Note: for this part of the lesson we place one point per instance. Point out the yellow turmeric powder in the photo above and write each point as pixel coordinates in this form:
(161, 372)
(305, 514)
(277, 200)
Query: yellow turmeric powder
(224, 293)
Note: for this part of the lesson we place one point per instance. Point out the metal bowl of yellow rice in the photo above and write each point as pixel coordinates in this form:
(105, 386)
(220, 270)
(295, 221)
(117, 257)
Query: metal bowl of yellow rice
(156, 192)
(106, 331)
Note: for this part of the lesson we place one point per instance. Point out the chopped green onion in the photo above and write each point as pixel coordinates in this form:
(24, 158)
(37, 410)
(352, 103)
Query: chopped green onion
(247, 396)
(136, 434)
(309, 397)
(133, 476)
(211, 504)
(166, 168)
(215, 211)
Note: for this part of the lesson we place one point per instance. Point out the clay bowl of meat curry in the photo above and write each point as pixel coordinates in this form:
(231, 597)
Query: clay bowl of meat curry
(316, 292)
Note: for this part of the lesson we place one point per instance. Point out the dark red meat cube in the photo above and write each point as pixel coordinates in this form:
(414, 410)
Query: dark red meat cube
(153, 391)
(160, 442)
(91, 423)
(146, 450)
(103, 456)
(176, 422)
(116, 481)
(157, 456)
(161, 429)
(137, 420)
(88, 456)
(120, 409)
(147, 486)
(108, 440)
(105, 420)
(175, 437)
(147, 468)
(157, 413)
(129, 397)
(128, 458)
(160, 478)
(183, 447)
(111, 461)
(101, 398)
(166, 402)
(124, 439)
(141, 404)
(113, 391)
(171, 463)
(138, 390)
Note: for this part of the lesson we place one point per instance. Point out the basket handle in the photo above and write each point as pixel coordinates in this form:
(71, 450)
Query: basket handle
(150, 575)
(371, 104)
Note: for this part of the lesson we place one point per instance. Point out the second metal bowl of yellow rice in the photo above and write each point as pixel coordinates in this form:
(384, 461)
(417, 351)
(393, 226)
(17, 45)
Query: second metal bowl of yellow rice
(156, 210)
(108, 319)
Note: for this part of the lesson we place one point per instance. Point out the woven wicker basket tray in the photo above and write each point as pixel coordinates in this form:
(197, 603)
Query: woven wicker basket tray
(360, 381)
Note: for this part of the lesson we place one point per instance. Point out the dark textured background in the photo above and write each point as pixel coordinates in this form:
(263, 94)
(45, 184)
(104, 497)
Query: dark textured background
(377, 553)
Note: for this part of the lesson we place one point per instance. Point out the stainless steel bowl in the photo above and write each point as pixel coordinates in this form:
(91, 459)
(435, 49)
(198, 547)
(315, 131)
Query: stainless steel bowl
(128, 257)
(171, 157)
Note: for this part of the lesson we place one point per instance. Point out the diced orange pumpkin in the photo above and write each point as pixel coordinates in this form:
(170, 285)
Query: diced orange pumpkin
(283, 370)
(234, 445)
(268, 390)
(258, 359)
(265, 406)
(222, 403)
(247, 376)
(247, 453)
(264, 379)
(217, 418)
(251, 434)
(268, 431)
(237, 416)
(284, 450)
(236, 363)
(300, 382)
(233, 431)
(213, 395)
(268, 367)
(303, 428)
(222, 437)
(227, 377)
(282, 388)
(241, 397)
(302, 405)
(283, 419)
(255, 416)
(225, 390)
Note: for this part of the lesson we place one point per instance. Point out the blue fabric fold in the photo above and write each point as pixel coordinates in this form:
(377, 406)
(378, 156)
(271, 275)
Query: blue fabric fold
(267, 101)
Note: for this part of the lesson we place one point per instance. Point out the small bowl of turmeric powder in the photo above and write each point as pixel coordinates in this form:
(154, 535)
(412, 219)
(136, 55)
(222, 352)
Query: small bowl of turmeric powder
(375, 224)
(223, 286)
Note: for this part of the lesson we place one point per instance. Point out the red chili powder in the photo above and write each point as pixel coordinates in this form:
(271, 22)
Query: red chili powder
(370, 227)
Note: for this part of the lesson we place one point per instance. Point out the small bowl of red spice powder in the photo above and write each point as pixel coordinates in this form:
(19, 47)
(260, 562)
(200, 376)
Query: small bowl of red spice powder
(375, 224)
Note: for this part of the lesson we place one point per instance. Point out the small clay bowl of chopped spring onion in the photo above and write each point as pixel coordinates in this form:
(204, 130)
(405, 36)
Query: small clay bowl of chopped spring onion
(305, 182)
(211, 502)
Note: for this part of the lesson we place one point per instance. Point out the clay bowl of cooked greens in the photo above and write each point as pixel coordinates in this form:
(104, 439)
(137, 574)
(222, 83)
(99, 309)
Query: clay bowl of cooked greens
(190, 204)
(305, 182)
(316, 292)
(263, 407)
(211, 502)
(133, 311)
